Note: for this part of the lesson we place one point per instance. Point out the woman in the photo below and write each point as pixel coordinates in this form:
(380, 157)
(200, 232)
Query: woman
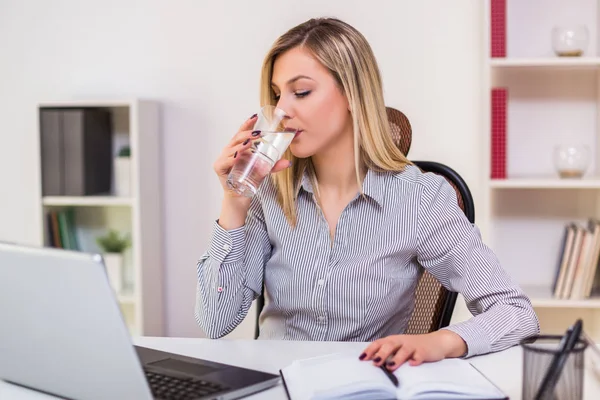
(339, 234)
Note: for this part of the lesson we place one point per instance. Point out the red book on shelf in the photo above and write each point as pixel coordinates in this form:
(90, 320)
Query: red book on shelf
(498, 28)
(498, 150)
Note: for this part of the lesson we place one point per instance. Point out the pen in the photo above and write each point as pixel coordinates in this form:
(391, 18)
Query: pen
(566, 345)
(390, 375)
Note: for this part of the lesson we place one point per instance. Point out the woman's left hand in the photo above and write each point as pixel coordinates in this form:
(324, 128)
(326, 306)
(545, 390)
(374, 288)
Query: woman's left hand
(394, 350)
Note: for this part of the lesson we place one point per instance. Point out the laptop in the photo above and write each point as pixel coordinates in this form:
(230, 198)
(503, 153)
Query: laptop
(62, 333)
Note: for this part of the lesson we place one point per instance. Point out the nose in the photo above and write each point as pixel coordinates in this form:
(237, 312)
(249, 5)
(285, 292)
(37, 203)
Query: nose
(285, 107)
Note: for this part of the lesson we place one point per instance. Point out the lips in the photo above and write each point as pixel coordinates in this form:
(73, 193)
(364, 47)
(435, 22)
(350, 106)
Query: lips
(298, 132)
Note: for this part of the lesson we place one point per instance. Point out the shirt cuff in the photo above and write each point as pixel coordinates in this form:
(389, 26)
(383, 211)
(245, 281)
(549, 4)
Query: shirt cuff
(477, 339)
(227, 246)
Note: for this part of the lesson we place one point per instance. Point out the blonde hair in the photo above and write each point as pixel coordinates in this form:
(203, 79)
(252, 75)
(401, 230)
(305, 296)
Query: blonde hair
(347, 55)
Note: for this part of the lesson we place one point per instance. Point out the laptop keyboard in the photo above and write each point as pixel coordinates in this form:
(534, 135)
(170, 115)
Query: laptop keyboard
(171, 388)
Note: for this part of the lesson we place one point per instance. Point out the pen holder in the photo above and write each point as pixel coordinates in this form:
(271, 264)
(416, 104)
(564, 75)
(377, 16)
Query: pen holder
(538, 353)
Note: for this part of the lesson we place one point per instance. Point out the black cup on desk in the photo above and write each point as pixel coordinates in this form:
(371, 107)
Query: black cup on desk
(539, 357)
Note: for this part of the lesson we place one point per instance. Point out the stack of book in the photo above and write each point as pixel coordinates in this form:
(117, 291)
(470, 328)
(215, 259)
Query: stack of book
(61, 229)
(576, 275)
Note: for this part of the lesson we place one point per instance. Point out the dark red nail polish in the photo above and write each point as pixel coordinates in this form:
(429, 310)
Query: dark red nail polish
(235, 154)
(253, 116)
(255, 133)
(245, 142)
(362, 356)
(377, 359)
(390, 363)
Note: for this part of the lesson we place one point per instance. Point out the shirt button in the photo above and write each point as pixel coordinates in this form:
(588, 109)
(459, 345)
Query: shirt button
(219, 289)
(321, 319)
(226, 247)
(321, 282)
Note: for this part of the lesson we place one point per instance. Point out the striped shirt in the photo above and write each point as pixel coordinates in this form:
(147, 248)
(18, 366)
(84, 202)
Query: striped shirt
(360, 287)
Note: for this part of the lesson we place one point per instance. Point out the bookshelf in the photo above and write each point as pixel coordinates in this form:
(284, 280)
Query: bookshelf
(134, 123)
(541, 297)
(550, 101)
(100, 201)
(543, 62)
(544, 183)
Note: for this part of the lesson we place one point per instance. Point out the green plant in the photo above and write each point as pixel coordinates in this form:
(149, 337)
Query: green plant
(113, 242)
(125, 151)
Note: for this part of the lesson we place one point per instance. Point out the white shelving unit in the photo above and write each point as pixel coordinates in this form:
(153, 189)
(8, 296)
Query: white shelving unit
(100, 201)
(551, 100)
(543, 183)
(135, 123)
(542, 62)
(541, 297)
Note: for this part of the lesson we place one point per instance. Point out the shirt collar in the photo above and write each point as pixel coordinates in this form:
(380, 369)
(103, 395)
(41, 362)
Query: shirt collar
(374, 185)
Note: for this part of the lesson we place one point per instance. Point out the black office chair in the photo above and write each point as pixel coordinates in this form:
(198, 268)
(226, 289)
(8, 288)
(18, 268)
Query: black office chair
(434, 304)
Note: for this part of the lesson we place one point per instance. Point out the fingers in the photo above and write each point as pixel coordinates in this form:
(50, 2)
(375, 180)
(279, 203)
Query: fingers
(239, 143)
(380, 350)
(417, 359)
(392, 351)
(245, 131)
(246, 144)
(248, 124)
(402, 355)
(281, 165)
(224, 163)
(385, 351)
(371, 350)
(242, 136)
(235, 151)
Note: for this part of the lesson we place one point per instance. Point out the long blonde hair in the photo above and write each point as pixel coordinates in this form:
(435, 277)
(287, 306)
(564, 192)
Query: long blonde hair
(347, 55)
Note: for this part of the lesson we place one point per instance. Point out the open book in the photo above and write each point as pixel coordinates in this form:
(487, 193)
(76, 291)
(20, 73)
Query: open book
(344, 376)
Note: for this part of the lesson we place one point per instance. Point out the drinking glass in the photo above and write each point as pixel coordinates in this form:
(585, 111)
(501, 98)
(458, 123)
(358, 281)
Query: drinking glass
(570, 41)
(571, 161)
(254, 164)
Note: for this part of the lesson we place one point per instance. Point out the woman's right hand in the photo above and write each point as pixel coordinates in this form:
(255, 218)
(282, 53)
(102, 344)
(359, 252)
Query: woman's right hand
(240, 142)
(235, 207)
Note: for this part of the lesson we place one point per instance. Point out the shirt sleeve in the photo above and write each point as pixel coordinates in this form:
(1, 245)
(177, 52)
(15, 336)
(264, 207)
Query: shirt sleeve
(451, 249)
(230, 273)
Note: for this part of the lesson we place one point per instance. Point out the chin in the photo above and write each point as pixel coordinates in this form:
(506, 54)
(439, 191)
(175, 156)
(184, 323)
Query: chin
(300, 151)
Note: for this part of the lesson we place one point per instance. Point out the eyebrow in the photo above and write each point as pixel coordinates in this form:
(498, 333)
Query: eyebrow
(294, 79)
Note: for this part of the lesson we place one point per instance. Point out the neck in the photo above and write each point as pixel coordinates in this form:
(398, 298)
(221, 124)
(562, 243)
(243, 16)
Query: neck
(334, 168)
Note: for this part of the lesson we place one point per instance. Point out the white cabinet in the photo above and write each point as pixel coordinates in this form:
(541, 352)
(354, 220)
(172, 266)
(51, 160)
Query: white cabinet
(135, 123)
(551, 101)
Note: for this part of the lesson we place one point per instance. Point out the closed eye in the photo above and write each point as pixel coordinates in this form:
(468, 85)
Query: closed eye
(302, 94)
(297, 94)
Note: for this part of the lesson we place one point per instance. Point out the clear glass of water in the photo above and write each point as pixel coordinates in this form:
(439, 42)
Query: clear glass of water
(254, 165)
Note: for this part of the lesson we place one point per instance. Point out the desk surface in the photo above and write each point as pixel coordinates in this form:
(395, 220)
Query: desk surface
(503, 368)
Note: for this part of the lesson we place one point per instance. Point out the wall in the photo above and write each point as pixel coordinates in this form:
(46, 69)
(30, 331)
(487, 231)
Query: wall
(201, 59)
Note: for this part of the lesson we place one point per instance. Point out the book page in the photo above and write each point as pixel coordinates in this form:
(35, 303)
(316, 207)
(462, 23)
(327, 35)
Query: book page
(450, 378)
(338, 375)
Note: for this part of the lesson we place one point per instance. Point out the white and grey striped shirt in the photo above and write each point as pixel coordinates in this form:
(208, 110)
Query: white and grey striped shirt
(362, 287)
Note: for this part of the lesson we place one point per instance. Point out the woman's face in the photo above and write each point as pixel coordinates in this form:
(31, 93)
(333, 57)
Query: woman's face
(314, 103)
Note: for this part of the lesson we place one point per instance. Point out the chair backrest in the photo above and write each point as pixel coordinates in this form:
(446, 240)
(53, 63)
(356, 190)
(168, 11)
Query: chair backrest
(400, 128)
(434, 304)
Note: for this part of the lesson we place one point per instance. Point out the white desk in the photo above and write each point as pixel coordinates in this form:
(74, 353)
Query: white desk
(503, 368)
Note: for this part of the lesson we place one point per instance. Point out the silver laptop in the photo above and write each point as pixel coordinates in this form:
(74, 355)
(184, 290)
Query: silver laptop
(62, 333)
